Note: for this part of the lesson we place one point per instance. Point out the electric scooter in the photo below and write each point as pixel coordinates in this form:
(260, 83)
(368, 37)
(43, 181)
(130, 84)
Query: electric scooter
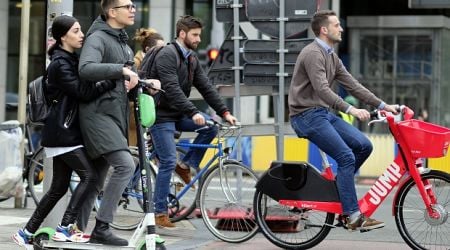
(144, 113)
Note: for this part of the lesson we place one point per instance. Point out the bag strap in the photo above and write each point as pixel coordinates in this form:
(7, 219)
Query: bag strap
(45, 83)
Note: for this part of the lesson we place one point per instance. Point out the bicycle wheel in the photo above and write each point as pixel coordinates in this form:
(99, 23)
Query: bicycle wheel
(290, 227)
(36, 175)
(417, 228)
(226, 202)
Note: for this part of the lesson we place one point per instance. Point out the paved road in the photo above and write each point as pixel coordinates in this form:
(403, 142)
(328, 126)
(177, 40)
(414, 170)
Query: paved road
(193, 234)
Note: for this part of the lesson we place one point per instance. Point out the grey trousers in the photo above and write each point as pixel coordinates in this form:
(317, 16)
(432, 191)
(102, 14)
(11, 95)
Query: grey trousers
(123, 166)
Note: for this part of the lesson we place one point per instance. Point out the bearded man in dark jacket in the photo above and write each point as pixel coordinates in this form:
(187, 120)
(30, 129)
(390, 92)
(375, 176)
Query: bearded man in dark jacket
(178, 69)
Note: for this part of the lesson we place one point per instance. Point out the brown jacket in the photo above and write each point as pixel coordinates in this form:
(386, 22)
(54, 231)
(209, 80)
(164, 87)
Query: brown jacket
(312, 82)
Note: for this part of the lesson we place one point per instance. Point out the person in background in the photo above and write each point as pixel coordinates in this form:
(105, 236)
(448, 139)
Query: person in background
(61, 135)
(147, 39)
(350, 119)
(178, 69)
(310, 101)
(422, 115)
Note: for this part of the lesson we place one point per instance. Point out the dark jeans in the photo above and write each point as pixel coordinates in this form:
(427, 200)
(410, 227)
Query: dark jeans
(63, 165)
(342, 142)
(165, 147)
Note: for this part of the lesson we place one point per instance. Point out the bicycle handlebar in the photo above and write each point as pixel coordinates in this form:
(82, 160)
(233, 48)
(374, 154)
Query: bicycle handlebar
(221, 126)
(404, 113)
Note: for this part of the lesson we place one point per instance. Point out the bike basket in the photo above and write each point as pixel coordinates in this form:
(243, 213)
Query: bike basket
(425, 139)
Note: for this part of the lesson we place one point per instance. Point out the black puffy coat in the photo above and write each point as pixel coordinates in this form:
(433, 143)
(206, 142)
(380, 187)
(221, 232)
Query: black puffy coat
(64, 90)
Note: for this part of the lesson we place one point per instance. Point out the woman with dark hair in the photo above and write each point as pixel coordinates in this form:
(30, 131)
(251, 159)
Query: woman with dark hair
(61, 135)
(147, 38)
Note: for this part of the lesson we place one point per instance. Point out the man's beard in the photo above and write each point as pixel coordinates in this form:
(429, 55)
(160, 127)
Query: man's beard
(190, 45)
(335, 39)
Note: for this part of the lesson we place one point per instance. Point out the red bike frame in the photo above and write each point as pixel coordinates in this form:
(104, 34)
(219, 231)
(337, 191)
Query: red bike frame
(400, 170)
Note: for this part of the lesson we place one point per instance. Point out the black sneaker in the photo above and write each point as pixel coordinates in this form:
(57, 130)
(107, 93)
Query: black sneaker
(364, 223)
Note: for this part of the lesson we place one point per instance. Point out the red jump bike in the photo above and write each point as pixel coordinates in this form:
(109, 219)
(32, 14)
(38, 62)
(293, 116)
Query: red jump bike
(295, 204)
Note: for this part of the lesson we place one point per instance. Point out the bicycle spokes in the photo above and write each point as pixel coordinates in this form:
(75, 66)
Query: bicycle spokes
(419, 227)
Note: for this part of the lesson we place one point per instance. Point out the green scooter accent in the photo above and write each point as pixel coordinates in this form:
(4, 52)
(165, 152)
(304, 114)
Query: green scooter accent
(41, 234)
(147, 110)
(159, 244)
(45, 230)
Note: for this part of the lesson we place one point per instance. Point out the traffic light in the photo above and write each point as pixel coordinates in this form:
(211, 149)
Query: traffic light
(212, 54)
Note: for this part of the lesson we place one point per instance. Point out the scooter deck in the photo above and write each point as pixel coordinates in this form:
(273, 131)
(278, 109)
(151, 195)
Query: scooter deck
(75, 245)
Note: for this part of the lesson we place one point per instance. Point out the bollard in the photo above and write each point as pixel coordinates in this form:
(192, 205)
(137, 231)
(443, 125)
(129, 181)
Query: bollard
(55, 216)
(19, 196)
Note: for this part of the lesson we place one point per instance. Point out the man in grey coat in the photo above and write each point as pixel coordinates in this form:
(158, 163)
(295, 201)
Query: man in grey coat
(104, 121)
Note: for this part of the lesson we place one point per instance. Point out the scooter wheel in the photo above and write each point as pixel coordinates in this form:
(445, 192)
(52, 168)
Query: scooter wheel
(37, 241)
(159, 246)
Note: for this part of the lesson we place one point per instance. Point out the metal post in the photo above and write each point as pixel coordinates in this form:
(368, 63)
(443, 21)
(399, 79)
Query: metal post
(54, 9)
(237, 70)
(237, 85)
(281, 79)
(394, 69)
(23, 70)
(237, 79)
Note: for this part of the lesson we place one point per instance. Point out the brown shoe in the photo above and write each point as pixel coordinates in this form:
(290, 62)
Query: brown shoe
(364, 223)
(162, 220)
(184, 173)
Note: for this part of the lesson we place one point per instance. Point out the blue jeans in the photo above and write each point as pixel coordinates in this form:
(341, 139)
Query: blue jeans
(165, 148)
(342, 142)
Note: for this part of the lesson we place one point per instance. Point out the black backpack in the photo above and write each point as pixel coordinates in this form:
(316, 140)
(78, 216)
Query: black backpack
(147, 62)
(38, 107)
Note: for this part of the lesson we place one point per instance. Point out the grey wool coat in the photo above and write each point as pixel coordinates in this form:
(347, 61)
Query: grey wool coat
(104, 121)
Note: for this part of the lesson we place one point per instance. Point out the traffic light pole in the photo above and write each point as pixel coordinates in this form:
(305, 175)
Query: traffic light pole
(237, 69)
(281, 78)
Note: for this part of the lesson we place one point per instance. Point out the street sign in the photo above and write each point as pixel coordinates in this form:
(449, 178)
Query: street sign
(221, 70)
(292, 30)
(269, 10)
(266, 51)
(266, 73)
(264, 14)
(224, 11)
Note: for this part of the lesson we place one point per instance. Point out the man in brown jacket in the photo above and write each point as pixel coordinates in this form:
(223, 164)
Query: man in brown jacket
(311, 99)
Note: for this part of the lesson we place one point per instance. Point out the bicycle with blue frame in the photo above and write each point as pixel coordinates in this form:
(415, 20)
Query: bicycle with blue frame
(222, 189)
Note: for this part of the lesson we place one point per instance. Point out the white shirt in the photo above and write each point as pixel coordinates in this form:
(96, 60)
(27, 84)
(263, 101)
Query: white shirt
(55, 151)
